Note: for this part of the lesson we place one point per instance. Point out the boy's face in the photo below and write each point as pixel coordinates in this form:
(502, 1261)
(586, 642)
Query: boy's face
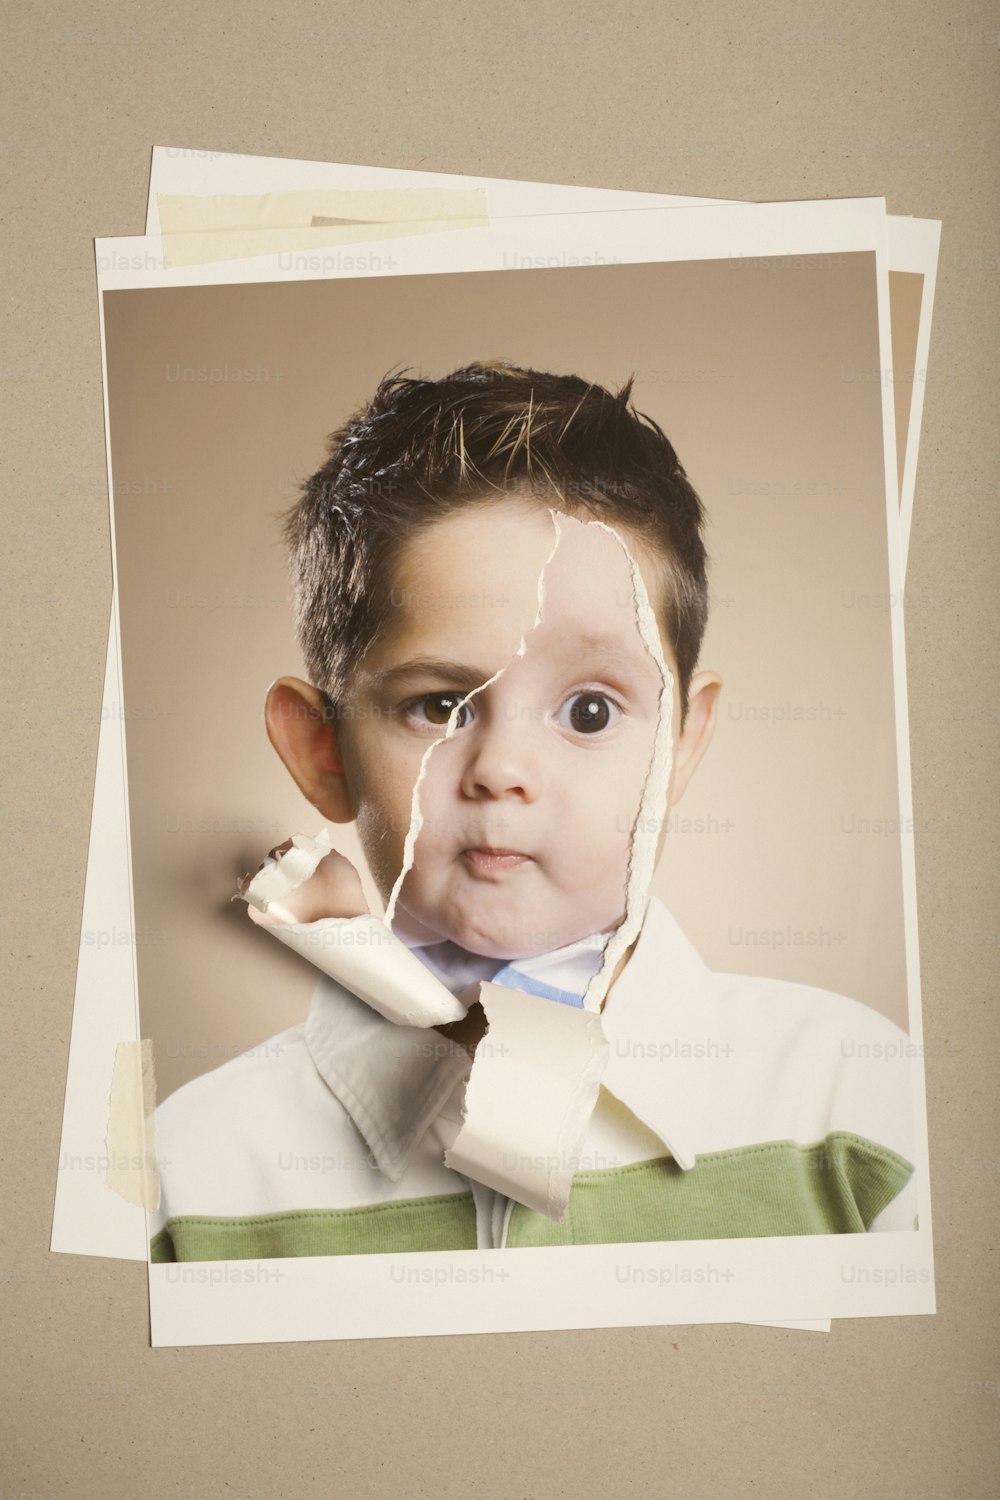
(549, 760)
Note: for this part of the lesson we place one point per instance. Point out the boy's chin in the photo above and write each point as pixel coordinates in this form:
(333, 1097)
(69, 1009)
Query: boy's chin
(470, 938)
(507, 943)
(478, 927)
(482, 939)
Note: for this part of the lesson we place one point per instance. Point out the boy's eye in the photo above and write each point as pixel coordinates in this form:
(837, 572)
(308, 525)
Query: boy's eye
(588, 712)
(436, 709)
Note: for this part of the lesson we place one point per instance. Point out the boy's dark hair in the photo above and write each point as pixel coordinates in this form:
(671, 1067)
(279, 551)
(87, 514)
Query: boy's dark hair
(421, 449)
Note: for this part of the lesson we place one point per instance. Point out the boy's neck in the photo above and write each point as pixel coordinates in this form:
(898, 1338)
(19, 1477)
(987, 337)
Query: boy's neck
(469, 1032)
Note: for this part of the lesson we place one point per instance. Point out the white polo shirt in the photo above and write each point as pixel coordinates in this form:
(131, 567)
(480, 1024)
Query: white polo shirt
(730, 1106)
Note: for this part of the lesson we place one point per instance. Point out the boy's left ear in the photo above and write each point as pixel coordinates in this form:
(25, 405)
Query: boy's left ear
(699, 726)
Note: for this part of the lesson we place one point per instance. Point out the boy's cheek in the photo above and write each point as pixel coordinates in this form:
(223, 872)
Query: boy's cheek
(376, 780)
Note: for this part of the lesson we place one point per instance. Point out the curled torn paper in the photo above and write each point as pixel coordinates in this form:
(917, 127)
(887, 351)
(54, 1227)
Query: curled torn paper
(358, 950)
(532, 1091)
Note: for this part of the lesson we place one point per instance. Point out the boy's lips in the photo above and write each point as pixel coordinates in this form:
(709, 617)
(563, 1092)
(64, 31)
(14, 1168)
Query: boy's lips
(488, 859)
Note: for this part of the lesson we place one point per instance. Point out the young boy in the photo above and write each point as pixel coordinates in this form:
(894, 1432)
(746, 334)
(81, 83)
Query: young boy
(476, 657)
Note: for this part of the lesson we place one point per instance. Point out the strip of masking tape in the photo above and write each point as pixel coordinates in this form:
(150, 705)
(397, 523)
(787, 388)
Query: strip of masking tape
(132, 1170)
(532, 1090)
(186, 213)
(359, 952)
(321, 220)
(196, 230)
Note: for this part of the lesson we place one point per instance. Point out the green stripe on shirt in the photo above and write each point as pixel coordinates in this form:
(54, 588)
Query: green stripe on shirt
(836, 1186)
(445, 1222)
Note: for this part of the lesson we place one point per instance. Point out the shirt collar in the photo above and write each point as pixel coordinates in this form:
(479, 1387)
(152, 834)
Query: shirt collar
(562, 973)
(660, 1022)
(394, 1080)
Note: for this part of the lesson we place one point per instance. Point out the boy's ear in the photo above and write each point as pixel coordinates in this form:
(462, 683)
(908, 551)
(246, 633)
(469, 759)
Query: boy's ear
(299, 728)
(699, 726)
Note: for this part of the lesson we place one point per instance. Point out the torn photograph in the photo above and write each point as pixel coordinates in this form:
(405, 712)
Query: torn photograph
(519, 819)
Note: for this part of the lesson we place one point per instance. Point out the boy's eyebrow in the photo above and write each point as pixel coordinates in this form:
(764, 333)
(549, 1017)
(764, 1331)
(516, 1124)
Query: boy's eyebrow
(452, 671)
(469, 677)
(612, 645)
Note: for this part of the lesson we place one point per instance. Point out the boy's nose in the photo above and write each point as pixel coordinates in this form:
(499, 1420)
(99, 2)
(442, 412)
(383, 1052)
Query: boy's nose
(504, 754)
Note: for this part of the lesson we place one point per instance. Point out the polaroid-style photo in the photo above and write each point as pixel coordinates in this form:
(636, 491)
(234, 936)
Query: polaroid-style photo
(676, 1007)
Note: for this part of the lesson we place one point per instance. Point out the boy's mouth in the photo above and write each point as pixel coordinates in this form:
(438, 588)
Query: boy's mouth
(488, 860)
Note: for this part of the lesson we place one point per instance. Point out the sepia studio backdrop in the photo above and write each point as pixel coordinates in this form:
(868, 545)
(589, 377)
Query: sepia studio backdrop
(783, 857)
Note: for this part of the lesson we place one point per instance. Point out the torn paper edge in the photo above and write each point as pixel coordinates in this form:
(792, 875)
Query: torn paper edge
(451, 729)
(645, 830)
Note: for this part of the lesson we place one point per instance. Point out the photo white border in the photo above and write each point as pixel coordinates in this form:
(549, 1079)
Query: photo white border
(630, 237)
(642, 1285)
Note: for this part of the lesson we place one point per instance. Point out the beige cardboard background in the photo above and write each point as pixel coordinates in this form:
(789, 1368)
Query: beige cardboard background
(774, 103)
(220, 400)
